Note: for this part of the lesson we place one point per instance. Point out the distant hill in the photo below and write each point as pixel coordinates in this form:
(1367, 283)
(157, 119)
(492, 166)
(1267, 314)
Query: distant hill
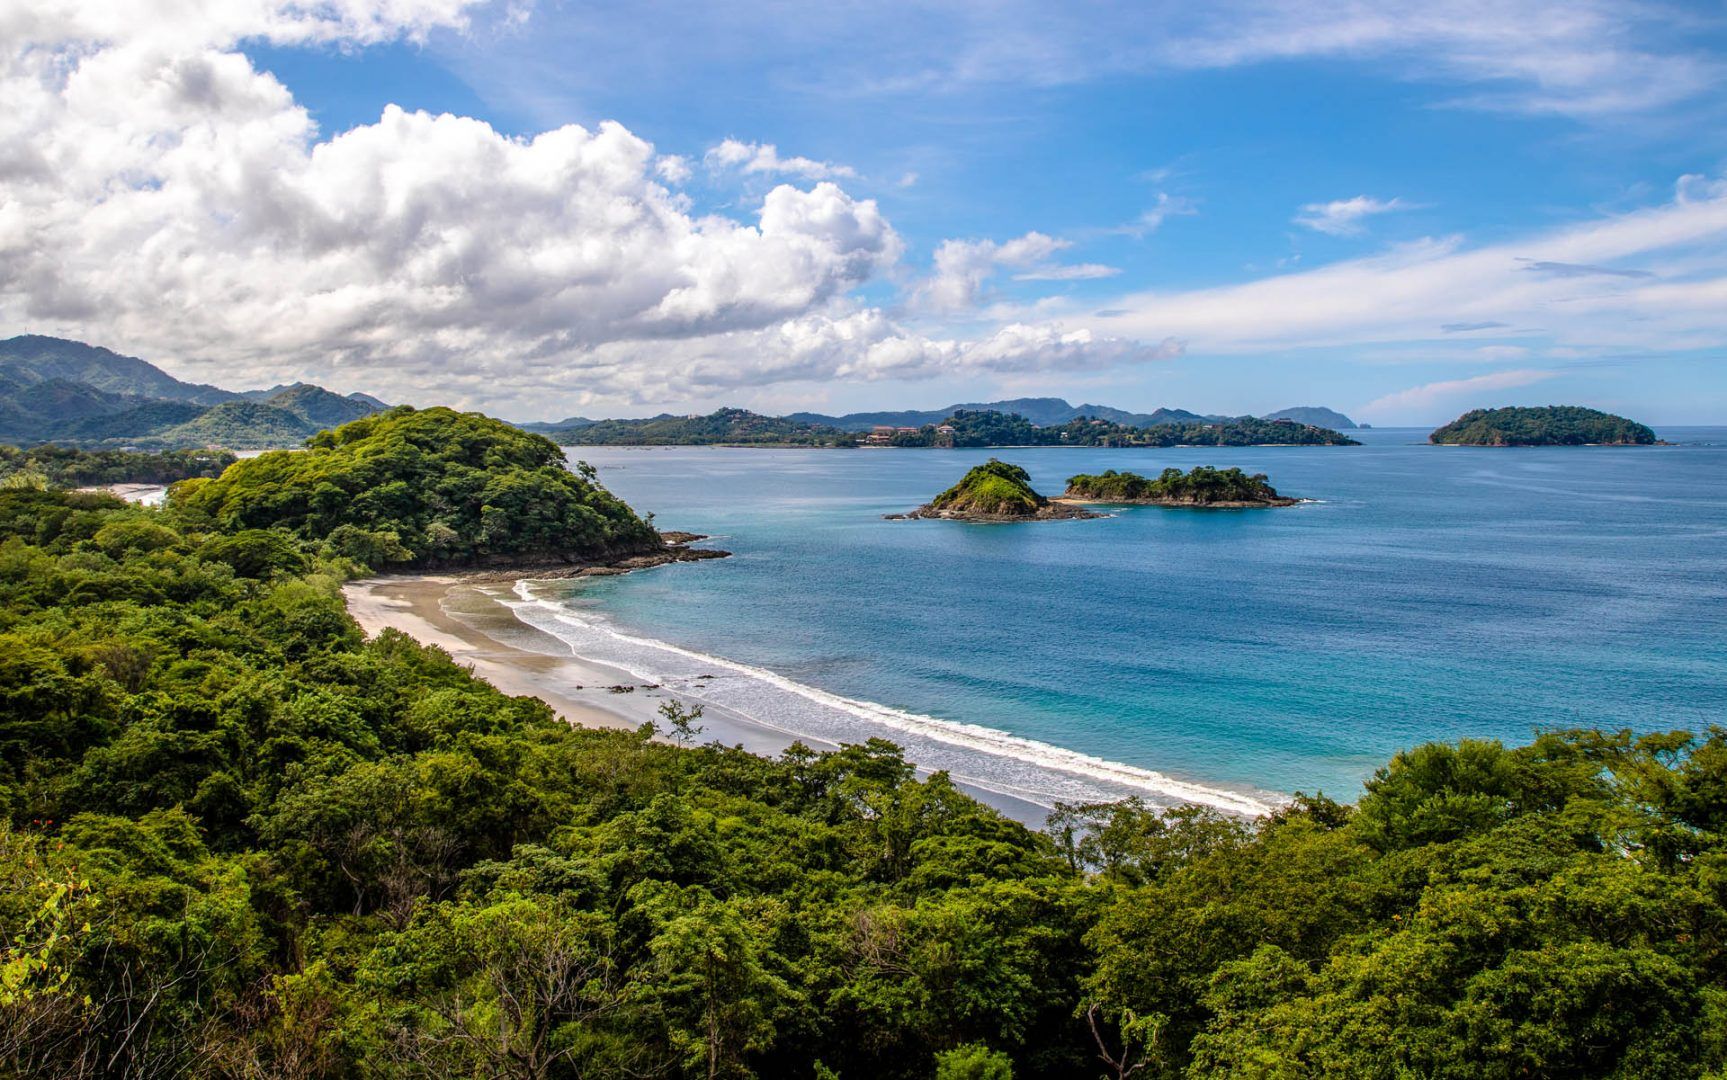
(1548, 425)
(721, 427)
(54, 390)
(41, 358)
(1044, 412)
(1317, 415)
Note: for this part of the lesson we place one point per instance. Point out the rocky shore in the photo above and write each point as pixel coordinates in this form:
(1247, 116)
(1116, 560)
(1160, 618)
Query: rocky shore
(677, 549)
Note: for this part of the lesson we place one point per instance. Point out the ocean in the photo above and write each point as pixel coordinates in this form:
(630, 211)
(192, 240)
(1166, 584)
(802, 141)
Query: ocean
(1231, 657)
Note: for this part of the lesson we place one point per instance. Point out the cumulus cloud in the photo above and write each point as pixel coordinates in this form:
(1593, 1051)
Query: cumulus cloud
(1344, 217)
(1476, 392)
(963, 267)
(160, 194)
(765, 158)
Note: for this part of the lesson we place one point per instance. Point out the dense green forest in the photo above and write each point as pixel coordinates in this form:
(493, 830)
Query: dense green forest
(68, 467)
(1201, 486)
(428, 487)
(1550, 425)
(243, 841)
(722, 427)
(973, 429)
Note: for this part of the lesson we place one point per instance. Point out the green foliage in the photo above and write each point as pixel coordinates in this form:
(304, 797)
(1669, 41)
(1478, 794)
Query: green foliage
(727, 427)
(427, 487)
(988, 428)
(973, 1061)
(1201, 486)
(241, 840)
(1550, 425)
(65, 467)
(993, 489)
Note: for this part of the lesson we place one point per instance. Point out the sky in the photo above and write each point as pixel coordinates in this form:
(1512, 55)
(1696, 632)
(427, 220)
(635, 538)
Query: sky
(542, 209)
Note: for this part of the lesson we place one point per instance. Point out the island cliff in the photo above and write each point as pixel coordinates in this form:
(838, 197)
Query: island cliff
(995, 491)
(1202, 487)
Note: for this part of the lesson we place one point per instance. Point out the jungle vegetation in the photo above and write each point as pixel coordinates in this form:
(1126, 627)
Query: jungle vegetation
(1203, 485)
(237, 839)
(428, 487)
(1549, 425)
(68, 467)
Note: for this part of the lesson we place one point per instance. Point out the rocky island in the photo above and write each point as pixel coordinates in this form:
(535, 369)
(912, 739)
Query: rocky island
(1548, 425)
(1204, 486)
(993, 492)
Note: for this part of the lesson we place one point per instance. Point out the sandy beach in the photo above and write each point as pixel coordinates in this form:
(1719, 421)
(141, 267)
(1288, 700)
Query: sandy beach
(454, 614)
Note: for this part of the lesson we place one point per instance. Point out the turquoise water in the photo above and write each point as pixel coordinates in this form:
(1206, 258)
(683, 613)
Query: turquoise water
(1429, 593)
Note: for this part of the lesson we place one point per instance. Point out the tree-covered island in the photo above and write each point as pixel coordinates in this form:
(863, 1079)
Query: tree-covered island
(995, 491)
(1547, 425)
(1203, 486)
(434, 487)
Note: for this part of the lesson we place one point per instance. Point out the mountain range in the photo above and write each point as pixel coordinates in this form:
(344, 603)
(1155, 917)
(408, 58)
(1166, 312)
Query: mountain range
(55, 390)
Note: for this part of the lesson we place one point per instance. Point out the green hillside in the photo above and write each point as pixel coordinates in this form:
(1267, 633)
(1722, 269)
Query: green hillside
(431, 487)
(1550, 425)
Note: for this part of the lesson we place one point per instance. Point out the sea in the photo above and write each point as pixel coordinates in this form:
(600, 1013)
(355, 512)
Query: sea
(1229, 657)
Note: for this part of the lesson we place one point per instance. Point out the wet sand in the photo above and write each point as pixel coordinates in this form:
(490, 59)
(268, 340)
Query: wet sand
(455, 615)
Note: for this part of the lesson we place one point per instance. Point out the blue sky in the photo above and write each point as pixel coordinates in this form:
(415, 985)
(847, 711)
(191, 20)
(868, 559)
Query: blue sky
(1395, 209)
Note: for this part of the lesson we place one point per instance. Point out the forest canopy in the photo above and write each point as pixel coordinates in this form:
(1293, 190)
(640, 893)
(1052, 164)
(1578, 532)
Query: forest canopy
(239, 839)
(1549, 425)
(427, 487)
(1203, 485)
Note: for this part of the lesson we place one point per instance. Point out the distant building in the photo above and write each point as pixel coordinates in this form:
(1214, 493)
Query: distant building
(945, 429)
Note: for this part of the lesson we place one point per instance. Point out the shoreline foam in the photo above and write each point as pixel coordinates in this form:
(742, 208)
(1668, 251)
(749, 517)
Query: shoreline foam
(514, 641)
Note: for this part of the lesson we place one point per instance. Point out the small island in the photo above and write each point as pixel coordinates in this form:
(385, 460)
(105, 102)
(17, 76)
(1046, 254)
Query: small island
(1549, 425)
(1204, 486)
(993, 492)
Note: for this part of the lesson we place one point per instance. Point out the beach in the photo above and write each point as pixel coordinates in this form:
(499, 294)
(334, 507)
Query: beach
(464, 618)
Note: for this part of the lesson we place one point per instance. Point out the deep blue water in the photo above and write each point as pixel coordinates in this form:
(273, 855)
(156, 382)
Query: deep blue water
(1431, 593)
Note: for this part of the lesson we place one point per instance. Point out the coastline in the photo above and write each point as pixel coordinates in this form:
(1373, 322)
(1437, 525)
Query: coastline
(454, 613)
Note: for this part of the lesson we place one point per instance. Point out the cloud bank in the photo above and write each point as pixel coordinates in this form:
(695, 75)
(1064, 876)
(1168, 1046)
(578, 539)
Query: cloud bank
(160, 194)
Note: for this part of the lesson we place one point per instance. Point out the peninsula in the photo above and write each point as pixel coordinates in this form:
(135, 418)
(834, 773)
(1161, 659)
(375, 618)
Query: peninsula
(993, 492)
(1203, 487)
(417, 489)
(1549, 425)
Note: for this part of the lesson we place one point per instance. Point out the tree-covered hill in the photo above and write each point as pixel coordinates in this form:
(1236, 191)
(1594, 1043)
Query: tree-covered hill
(1201, 486)
(54, 390)
(994, 491)
(1549, 425)
(429, 487)
(239, 840)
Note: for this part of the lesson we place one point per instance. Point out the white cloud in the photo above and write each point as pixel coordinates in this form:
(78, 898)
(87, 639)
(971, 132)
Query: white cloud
(1076, 272)
(1418, 402)
(1411, 292)
(1343, 217)
(161, 195)
(963, 267)
(1166, 207)
(765, 158)
(1590, 59)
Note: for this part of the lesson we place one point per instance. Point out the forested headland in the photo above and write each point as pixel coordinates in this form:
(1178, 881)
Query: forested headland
(428, 487)
(239, 839)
